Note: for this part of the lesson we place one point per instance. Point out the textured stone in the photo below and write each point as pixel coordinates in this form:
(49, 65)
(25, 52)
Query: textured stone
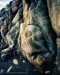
(17, 17)
(31, 28)
(15, 5)
(6, 53)
(3, 17)
(12, 34)
(2, 11)
(54, 13)
(4, 31)
(36, 37)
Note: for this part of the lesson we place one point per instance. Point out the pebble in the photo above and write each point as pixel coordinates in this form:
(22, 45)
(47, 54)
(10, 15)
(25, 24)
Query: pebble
(23, 61)
(47, 72)
(15, 61)
(9, 69)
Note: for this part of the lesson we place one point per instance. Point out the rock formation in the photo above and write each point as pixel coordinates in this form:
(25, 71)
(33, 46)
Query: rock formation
(32, 29)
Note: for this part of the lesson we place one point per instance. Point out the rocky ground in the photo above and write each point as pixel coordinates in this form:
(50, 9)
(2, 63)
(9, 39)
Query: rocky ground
(17, 65)
(29, 40)
(14, 65)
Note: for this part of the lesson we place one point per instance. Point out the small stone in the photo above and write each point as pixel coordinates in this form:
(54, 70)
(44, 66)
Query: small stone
(23, 61)
(47, 72)
(15, 61)
(9, 69)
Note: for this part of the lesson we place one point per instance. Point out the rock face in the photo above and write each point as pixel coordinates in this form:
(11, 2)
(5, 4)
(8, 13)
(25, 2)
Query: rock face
(53, 7)
(32, 29)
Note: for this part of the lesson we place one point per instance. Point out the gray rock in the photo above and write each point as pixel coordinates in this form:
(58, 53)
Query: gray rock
(2, 11)
(3, 18)
(4, 31)
(27, 28)
(12, 34)
(15, 5)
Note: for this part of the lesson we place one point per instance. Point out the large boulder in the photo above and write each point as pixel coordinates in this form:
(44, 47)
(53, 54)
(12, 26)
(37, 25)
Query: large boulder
(31, 28)
(36, 40)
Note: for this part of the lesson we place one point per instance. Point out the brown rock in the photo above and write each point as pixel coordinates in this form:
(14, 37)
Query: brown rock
(15, 61)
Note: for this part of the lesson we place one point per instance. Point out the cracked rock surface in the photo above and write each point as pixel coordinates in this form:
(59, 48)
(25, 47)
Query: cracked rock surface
(30, 37)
